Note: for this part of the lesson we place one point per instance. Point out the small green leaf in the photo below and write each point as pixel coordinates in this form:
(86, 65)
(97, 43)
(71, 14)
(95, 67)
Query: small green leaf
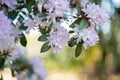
(45, 47)
(12, 15)
(83, 24)
(30, 2)
(2, 61)
(78, 8)
(42, 30)
(77, 21)
(72, 42)
(23, 40)
(71, 31)
(43, 38)
(43, 14)
(78, 49)
(22, 27)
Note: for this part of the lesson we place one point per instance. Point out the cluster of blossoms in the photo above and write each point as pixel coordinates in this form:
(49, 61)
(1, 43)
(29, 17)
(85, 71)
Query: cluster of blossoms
(56, 7)
(6, 33)
(58, 38)
(97, 15)
(7, 38)
(37, 68)
(88, 35)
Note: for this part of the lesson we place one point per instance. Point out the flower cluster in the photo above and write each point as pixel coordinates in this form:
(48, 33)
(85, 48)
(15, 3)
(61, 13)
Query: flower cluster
(88, 35)
(58, 38)
(36, 67)
(7, 35)
(98, 16)
(57, 7)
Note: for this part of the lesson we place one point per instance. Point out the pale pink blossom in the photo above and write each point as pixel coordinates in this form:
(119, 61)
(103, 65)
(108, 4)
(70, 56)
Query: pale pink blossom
(10, 3)
(98, 16)
(57, 7)
(88, 36)
(58, 38)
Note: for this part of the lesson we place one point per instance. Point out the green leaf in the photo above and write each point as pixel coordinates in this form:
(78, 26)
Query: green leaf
(43, 14)
(83, 24)
(77, 21)
(43, 38)
(72, 42)
(78, 8)
(45, 47)
(23, 40)
(12, 15)
(71, 31)
(2, 61)
(42, 30)
(30, 2)
(78, 49)
(22, 27)
(20, 19)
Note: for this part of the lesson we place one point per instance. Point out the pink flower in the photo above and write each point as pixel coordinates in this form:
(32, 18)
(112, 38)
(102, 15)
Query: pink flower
(89, 36)
(57, 7)
(10, 3)
(98, 16)
(58, 38)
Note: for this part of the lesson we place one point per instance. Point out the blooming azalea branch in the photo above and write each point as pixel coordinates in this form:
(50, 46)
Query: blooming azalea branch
(47, 16)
